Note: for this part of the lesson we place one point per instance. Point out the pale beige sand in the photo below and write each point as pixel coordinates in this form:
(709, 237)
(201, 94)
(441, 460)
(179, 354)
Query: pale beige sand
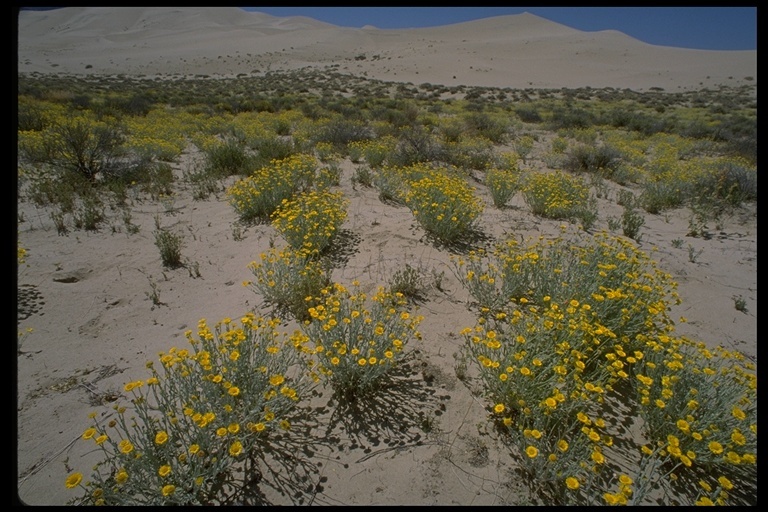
(86, 294)
(517, 51)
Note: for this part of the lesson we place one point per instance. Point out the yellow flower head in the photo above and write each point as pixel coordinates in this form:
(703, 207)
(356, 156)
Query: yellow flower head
(74, 480)
(572, 483)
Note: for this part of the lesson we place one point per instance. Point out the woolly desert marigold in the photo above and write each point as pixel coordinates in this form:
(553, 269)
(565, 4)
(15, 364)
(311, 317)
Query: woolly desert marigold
(572, 483)
(125, 446)
(236, 448)
(74, 480)
(531, 452)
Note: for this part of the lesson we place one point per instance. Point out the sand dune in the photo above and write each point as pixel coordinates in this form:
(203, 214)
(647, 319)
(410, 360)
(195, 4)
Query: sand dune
(516, 51)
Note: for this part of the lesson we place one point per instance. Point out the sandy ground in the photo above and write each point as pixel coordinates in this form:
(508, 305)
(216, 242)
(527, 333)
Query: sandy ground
(86, 294)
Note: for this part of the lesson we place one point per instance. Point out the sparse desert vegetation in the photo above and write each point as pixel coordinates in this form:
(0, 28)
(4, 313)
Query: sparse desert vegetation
(414, 253)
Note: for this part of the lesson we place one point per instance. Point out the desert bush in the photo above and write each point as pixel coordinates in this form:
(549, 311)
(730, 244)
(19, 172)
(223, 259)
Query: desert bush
(358, 340)
(468, 153)
(484, 125)
(363, 176)
(257, 196)
(310, 220)
(56, 187)
(326, 152)
(444, 205)
(170, 245)
(558, 195)
(408, 281)
(562, 327)
(84, 146)
(415, 145)
(523, 146)
(392, 183)
(602, 159)
(328, 176)
(376, 151)
(503, 184)
(611, 274)
(31, 116)
(212, 420)
(657, 196)
(340, 131)
(528, 114)
(569, 118)
(228, 157)
(273, 147)
(90, 213)
(731, 181)
(452, 129)
(288, 279)
(631, 220)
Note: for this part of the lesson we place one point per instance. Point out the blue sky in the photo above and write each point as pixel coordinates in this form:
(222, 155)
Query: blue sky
(706, 28)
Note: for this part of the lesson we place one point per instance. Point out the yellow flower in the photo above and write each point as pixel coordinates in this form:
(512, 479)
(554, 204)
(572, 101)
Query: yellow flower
(236, 448)
(276, 380)
(738, 413)
(361, 361)
(74, 480)
(121, 477)
(193, 449)
(562, 445)
(704, 501)
(499, 408)
(234, 391)
(89, 433)
(168, 490)
(531, 451)
(161, 437)
(164, 470)
(598, 457)
(725, 483)
(125, 446)
(572, 483)
(625, 480)
(715, 447)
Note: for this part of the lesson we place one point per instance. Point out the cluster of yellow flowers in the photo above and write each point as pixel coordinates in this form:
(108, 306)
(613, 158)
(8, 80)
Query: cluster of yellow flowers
(310, 220)
(556, 195)
(359, 339)
(574, 322)
(258, 195)
(445, 205)
(210, 406)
